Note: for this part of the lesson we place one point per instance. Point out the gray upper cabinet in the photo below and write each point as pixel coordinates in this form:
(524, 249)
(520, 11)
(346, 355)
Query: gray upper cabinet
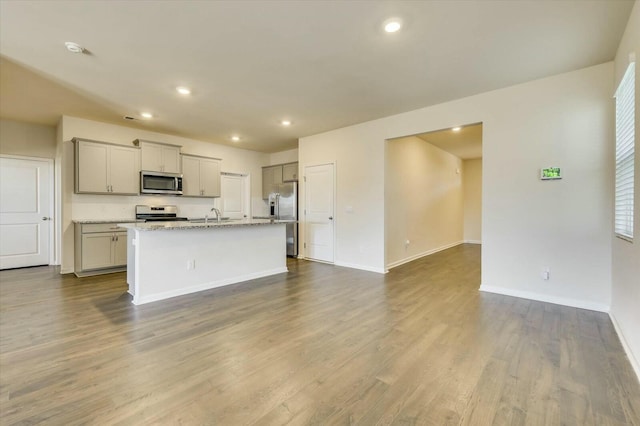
(159, 157)
(104, 168)
(275, 175)
(290, 172)
(271, 177)
(200, 176)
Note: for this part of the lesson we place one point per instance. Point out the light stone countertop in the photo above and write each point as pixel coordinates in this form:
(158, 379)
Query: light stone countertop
(104, 221)
(166, 226)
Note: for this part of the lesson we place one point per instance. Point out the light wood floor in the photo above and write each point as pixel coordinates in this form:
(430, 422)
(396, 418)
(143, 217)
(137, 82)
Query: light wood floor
(319, 345)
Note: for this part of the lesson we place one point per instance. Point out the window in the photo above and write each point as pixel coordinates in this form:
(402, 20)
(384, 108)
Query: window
(625, 147)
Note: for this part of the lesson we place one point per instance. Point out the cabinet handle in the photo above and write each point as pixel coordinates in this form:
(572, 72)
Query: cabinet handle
(116, 238)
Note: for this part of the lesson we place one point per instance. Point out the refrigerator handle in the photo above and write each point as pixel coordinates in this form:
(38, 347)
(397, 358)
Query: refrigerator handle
(277, 212)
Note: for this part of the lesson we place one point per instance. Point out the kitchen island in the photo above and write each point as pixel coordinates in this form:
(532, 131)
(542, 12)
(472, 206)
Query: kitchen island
(170, 259)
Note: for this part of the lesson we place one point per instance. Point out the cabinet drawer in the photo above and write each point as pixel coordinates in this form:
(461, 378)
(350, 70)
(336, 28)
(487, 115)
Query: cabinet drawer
(89, 228)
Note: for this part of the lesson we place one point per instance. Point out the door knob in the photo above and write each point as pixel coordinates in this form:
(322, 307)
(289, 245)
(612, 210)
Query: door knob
(330, 217)
(46, 218)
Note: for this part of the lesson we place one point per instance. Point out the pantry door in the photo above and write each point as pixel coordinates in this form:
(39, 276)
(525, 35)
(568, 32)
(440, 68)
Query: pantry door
(26, 194)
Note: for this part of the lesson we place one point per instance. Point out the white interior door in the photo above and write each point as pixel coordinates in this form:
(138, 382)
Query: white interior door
(25, 212)
(319, 212)
(234, 194)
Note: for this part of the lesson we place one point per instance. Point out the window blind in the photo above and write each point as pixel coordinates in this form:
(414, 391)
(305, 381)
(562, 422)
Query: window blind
(625, 150)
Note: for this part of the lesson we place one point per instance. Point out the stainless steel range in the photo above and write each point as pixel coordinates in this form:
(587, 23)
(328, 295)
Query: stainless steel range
(158, 213)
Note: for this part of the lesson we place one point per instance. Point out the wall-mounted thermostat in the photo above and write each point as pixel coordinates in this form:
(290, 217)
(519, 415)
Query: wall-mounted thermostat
(550, 173)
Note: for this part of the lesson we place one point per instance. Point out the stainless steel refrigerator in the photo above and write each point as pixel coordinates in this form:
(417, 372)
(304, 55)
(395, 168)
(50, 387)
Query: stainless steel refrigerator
(283, 205)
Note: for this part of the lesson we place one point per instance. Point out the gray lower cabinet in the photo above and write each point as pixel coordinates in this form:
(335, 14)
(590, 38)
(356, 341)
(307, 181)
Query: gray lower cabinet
(100, 248)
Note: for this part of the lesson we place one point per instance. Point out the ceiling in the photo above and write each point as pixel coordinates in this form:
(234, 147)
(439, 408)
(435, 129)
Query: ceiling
(465, 143)
(250, 64)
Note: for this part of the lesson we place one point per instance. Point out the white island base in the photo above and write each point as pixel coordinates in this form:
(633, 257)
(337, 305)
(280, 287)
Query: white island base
(165, 261)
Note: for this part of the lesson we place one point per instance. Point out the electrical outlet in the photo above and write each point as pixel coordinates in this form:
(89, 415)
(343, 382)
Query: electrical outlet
(545, 274)
(191, 264)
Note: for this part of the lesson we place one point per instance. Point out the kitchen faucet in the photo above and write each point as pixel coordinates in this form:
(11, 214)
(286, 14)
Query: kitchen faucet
(218, 215)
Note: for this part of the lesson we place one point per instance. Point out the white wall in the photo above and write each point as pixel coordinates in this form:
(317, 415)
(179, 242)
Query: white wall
(472, 188)
(527, 224)
(86, 206)
(27, 139)
(423, 200)
(625, 303)
(358, 153)
(288, 156)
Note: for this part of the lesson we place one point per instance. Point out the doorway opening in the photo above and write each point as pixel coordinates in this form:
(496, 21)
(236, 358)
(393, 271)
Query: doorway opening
(433, 192)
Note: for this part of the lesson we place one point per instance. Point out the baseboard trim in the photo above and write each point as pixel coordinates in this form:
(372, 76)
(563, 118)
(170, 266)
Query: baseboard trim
(574, 303)
(361, 267)
(627, 349)
(140, 300)
(423, 254)
(66, 271)
(473, 241)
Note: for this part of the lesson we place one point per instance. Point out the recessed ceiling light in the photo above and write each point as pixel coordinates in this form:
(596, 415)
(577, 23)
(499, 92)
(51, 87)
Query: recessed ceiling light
(392, 25)
(74, 47)
(286, 122)
(183, 90)
(146, 115)
(235, 138)
(456, 129)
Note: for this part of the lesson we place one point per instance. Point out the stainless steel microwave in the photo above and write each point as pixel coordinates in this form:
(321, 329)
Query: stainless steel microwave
(160, 183)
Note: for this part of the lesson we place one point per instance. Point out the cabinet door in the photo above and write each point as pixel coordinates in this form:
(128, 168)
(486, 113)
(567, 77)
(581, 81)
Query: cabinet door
(120, 249)
(190, 176)
(96, 251)
(267, 177)
(170, 159)
(290, 172)
(91, 164)
(271, 177)
(210, 177)
(124, 170)
(151, 157)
